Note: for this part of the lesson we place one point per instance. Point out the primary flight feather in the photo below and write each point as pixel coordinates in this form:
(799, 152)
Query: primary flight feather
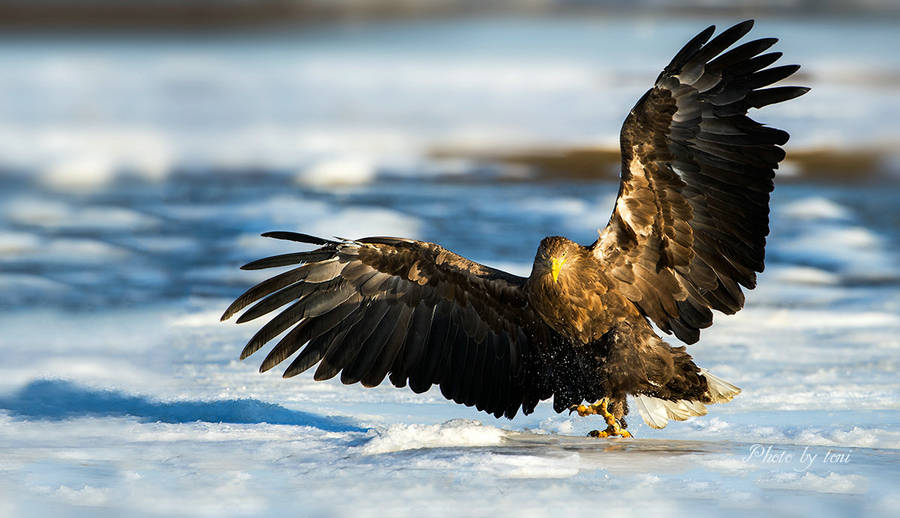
(688, 232)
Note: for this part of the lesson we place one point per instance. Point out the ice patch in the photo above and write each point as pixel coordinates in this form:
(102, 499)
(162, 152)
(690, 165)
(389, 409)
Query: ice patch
(36, 211)
(200, 319)
(86, 496)
(855, 437)
(563, 206)
(454, 433)
(80, 250)
(788, 168)
(811, 320)
(852, 251)
(52, 214)
(81, 173)
(710, 424)
(26, 283)
(86, 159)
(846, 245)
(13, 243)
(556, 424)
(727, 464)
(800, 275)
(529, 466)
(831, 483)
(283, 210)
(815, 208)
(889, 505)
(338, 172)
(161, 244)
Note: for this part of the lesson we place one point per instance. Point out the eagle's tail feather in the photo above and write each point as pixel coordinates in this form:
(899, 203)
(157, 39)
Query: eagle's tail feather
(720, 391)
(657, 412)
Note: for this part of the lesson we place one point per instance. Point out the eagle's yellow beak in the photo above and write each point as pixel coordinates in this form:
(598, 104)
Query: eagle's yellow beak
(555, 265)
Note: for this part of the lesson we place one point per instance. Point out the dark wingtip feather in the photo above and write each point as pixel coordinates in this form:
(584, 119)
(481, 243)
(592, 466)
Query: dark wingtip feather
(289, 259)
(745, 52)
(296, 236)
(248, 351)
(290, 372)
(743, 26)
(733, 33)
(251, 314)
(772, 75)
(268, 262)
(767, 96)
(690, 48)
(728, 37)
(704, 35)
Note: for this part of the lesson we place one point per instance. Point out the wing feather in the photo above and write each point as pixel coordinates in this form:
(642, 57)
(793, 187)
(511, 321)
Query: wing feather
(392, 348)
(690, 222)
(378, 307)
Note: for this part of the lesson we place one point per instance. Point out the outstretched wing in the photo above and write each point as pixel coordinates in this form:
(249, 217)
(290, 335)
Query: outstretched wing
(422, 314)
(691, 218)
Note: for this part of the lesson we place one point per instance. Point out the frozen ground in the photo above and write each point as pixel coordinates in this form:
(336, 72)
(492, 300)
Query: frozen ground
(121, 393)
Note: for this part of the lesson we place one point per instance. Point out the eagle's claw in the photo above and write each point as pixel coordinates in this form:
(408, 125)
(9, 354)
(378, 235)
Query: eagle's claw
(600, 408)
(582, 410)
(611, 431)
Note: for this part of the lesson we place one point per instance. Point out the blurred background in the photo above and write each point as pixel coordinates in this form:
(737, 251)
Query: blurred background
(144, 145)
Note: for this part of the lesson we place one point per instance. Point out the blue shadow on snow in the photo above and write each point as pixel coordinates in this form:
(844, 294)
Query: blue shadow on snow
(59, 399)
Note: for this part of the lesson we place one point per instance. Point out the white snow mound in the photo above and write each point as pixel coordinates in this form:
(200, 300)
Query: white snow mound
(454, 433)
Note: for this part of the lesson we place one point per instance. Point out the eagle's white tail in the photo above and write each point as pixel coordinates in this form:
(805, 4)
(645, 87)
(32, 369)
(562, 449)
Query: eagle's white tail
(720, 391)
(657, 412)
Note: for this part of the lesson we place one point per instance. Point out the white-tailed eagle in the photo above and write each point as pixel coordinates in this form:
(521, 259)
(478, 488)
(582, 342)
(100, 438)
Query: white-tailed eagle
(687, 235)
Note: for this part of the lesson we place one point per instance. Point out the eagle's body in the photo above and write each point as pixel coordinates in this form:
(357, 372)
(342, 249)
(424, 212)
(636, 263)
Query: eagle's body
(688, 231)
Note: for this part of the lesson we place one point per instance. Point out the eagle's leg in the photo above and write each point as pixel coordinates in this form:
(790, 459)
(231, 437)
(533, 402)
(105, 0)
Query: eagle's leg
(601, 408)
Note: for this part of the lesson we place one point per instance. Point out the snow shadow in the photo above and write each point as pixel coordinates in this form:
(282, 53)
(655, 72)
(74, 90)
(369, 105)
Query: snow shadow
(60, 399)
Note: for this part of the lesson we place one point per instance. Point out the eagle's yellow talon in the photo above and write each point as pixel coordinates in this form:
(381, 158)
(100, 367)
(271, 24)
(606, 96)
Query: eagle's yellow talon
(600, 407)
(611, 431)
(582, 410)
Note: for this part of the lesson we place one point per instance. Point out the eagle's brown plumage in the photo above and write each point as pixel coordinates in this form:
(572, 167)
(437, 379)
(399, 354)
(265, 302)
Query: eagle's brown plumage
(688, 231)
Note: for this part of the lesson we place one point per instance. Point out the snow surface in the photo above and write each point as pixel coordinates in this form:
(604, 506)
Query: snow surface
(121, 392)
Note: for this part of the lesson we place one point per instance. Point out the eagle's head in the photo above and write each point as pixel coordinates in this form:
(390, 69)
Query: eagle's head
(556, 256)
(562, 288)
